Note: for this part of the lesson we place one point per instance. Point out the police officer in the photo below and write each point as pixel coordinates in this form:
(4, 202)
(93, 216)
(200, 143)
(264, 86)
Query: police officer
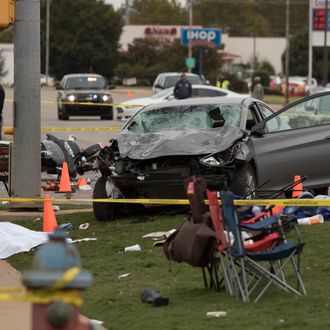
(182, 89)
(2, 99)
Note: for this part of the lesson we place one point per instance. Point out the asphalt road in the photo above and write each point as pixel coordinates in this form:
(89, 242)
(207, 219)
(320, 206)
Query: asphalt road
(49, 116)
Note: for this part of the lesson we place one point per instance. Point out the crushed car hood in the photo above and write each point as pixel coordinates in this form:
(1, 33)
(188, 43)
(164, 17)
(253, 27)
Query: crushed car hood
(176, 142)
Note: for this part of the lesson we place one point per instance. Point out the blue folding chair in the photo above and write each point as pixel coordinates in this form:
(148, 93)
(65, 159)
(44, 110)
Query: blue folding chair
(268, 265)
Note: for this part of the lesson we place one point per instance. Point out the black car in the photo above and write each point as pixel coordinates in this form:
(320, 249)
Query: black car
(234, 143)
(84, 95)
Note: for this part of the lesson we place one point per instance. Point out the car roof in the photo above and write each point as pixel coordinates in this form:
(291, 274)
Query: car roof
(210, 87)
(177, 74)
(76, 75)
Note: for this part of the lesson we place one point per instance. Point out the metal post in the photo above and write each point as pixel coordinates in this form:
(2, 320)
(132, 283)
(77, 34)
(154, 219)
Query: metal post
(190, 31)
(254, 53)
(200, 61)
(26, 163)
(47, 40)
(325, 48)
(287, 50)
(310, 46)
(126, 12)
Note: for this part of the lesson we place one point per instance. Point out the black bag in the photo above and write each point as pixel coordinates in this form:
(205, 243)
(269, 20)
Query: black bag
(193, 243)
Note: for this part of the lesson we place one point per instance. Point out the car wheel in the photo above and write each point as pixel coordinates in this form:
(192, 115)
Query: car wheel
(244, 182)
(59, 114)
(65, 115)
(105, 211)
(107, 116)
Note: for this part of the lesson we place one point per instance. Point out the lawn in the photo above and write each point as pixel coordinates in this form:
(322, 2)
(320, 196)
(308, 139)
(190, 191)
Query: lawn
(280, 99)
(117, 301)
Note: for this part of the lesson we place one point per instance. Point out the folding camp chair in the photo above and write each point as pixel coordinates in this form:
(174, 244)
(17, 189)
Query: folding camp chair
(269, 264)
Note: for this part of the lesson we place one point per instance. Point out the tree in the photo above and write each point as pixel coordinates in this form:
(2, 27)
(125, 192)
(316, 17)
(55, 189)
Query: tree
(155, 57)
(84, 37)
(158, 12)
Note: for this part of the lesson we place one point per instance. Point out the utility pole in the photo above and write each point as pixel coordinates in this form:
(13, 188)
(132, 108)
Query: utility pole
(25, 162)
(190, 31)
(310, 46)
(254, 53)
(287, 50)
(325, 48)
(126, 12)
(47, 40)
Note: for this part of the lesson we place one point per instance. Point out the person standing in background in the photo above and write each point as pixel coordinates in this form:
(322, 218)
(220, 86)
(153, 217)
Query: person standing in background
(258, 90)
(182, 89)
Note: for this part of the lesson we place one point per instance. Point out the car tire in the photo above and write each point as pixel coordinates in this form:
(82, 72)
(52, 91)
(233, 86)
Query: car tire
(107, 116)
(65, 115)
(244, 181)
(102, 211)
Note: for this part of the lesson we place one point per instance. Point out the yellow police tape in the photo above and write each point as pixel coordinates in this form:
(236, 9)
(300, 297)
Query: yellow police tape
(46, 295)
(91, 103)
(10, 130)
(238, 202)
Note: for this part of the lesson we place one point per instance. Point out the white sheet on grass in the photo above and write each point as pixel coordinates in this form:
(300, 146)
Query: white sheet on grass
(15, 239)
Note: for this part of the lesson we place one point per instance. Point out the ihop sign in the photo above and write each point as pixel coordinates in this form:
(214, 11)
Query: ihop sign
(201, 37)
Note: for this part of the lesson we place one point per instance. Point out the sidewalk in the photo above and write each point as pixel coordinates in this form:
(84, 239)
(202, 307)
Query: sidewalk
(13, 315)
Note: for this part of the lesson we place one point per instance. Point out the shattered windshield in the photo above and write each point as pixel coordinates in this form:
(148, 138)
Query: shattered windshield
(203, 116)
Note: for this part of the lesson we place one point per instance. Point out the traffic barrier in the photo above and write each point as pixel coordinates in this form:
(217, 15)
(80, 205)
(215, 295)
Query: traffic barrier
(49, 221)
(297, 188)
(65, 185)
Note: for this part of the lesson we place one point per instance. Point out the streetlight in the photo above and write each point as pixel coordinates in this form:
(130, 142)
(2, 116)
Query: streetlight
(190, 4)
(287, 50)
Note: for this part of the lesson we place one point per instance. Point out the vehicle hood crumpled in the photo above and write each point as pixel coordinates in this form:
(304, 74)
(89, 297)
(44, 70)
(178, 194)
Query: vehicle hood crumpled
(176, 142)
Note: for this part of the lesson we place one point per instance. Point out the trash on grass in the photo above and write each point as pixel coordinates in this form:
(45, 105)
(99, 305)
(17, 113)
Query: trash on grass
(84, 226)
(216, 314)
(66, 226)
(124, 275)
(133, 248)
(36, 219)
(56, 208)
(152, 296)
(159, 235)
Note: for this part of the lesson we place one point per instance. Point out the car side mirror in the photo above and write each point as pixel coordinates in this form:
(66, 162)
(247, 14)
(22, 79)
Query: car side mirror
(259, 128)
(158, 86)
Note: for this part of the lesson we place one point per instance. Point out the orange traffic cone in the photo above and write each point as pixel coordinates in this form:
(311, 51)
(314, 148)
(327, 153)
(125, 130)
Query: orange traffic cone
(49, 222)
(81, 182)
(65, 185)
(298, 188)
(129, 94)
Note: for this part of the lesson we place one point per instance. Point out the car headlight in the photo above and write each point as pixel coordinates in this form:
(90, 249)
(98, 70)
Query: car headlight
(105, 98)
(71, 98)
(210, 161)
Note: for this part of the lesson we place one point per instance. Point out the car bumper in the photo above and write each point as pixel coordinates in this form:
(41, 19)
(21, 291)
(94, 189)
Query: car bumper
(87, 109)
(156, 186)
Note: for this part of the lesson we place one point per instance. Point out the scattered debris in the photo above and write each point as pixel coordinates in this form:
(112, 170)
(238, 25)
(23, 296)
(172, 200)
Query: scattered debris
(36, 219)
(216, 314)
(124, 275)
(56, 208)
(84, 239)
(159, 235)
(152, 296)
(84, 226)
(66, 226)
(85, 187)
(133, 248)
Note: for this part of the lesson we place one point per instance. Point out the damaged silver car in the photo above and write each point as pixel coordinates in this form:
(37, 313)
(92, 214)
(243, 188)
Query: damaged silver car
(237, 143)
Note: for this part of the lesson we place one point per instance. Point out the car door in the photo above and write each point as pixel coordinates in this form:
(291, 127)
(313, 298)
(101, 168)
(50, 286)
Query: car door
(296, 141)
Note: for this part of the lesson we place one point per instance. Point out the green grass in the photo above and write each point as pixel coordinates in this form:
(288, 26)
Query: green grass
(117, 301)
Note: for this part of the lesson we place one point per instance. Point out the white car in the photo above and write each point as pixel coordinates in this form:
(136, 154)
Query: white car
(129, 108)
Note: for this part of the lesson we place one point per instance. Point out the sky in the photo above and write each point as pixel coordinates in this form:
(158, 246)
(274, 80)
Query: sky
(118, 3)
